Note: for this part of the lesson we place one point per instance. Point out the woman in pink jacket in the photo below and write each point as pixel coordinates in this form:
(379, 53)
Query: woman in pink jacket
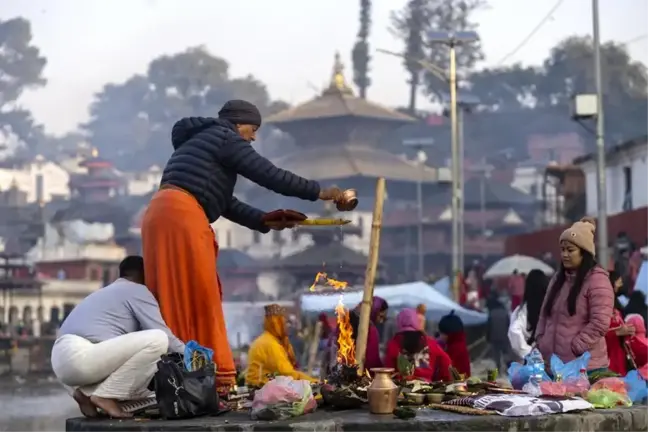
(576, 312)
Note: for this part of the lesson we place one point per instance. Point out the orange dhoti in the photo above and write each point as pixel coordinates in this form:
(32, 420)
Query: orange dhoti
(180, 252)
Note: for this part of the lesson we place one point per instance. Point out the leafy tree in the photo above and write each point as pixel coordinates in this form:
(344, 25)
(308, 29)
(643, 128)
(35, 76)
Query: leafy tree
(416, 20)
(409, 25)
(506, 88)
(450, 16)
(360, 53)
(569, 70)
(131, 122)
(21, 68)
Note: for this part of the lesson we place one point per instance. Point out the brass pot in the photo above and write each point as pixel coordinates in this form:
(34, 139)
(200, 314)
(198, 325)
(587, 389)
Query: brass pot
(382, 393)
(348, 202)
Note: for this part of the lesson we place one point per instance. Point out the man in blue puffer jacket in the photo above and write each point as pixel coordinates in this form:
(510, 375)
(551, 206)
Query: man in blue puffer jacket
(179, 246)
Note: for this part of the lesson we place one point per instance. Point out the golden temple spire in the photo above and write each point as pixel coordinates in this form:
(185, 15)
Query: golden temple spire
(338, 82)
(95, 152)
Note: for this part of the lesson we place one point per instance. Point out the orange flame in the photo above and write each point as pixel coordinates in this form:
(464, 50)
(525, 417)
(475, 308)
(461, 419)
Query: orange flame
(346, 347)
(323, 278)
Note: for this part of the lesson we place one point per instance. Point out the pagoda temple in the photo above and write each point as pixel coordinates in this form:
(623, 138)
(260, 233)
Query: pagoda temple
(337, 134)
(99, 183)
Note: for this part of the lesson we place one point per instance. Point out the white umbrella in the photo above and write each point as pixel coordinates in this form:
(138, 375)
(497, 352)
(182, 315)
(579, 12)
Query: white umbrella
(521, 263)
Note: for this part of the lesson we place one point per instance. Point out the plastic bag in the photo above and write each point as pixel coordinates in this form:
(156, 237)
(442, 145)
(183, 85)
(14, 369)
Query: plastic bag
(604, 398)
(616, 385)
(533, 366)
(636, 386)
(570, 369)
(282, 398)
(197, 356)
(577, 386)
(550, 388)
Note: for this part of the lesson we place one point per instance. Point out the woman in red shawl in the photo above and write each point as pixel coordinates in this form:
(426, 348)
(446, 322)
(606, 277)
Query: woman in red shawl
(427, 359)
(614, 338)
(637, 343)
(452, 334)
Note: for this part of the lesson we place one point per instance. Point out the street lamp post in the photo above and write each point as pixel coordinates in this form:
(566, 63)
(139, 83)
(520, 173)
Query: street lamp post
(453, 39)
(601, 190)
(466, 103)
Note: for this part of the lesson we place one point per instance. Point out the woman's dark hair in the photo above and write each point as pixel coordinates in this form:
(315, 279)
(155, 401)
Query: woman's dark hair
(535, 288)
(413, 341)
(637, 305)
(614, 277)
(586, 266)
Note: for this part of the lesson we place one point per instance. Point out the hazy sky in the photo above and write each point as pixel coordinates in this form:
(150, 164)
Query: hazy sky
(287, 44)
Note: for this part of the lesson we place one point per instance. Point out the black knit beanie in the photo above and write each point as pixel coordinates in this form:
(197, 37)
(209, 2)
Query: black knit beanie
(450, 324)
(240, 112)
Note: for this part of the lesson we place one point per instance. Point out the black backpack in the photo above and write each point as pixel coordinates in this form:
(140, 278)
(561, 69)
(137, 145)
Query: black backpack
(183, 394)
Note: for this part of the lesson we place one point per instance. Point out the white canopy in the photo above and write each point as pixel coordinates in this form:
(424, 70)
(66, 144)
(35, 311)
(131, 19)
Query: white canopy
(401, 296)
(521, 263)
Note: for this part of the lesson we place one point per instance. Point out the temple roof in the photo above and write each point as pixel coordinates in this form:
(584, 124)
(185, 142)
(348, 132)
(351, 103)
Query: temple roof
(321, 163)
(337, 100)
(332, 255)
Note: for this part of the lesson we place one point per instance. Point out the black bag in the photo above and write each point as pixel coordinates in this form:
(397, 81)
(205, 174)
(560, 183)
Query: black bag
(182, 394)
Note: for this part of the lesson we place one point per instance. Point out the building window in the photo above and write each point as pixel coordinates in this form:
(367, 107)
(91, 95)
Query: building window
(361, 226)
(256, 237)
(294, 235)
(627, 195)
(95, 274)
(228, 239)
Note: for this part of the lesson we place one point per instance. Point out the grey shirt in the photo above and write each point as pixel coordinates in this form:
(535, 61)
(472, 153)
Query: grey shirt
(115, 310)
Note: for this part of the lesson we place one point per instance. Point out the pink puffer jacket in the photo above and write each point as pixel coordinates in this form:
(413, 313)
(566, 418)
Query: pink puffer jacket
(570, 336)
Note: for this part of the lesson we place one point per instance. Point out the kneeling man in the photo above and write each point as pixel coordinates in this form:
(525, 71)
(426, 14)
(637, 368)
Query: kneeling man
(108, 347)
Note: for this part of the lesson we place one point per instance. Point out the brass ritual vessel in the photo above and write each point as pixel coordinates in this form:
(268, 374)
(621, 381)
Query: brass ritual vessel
(348, 201)
(382, 393)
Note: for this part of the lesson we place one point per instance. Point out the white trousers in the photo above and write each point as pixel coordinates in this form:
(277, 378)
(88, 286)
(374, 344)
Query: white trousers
(119, 368)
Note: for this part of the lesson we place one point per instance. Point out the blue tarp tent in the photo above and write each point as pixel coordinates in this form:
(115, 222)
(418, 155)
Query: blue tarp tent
(398, 297)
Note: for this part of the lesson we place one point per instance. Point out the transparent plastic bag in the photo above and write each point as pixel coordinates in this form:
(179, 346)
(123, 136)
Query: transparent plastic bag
(520, 374)
(569, 370)
(605, 398)
(282, 398)
(616, 385)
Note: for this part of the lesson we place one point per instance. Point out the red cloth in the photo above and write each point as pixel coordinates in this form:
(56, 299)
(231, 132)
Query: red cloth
(458, 352)
(372, 355)
(516, 285)
(516, 300)
(615, 350)
(435, 367)
(638, 343)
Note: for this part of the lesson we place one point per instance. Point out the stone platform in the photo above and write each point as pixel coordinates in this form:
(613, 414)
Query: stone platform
(622, 419)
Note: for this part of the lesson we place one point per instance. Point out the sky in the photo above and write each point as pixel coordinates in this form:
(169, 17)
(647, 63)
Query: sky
(288, 44)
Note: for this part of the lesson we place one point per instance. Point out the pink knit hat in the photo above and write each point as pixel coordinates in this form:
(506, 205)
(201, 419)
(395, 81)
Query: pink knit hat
(408, 320)
(581, 234)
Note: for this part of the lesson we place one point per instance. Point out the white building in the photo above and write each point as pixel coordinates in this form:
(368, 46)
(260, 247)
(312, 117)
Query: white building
(53, 179)
(530, 178)
(626, 177)
(143, 182)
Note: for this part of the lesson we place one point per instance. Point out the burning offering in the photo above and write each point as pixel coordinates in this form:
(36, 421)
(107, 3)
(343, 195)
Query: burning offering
(344, 388)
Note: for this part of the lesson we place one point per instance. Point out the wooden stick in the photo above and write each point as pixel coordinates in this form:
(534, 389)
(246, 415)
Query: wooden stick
(370, 276)
(312, 351)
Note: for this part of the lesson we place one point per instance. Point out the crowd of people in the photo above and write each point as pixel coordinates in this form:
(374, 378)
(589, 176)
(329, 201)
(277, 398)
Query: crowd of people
(108, 347)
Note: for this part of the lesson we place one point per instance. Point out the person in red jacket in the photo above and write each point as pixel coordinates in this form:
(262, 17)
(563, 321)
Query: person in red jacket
(638, 343)
(429, 361)
(452, 334)
(615, 337)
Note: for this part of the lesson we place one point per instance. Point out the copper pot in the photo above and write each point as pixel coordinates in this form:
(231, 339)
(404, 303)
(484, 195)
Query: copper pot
(348, 202)
(382, 393)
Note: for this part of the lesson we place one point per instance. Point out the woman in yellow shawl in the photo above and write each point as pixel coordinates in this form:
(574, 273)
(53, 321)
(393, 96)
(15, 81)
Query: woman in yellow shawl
(271, 353)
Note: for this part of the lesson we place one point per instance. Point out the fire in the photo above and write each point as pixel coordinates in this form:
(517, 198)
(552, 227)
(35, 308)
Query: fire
(323, 278)
(346, 347)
